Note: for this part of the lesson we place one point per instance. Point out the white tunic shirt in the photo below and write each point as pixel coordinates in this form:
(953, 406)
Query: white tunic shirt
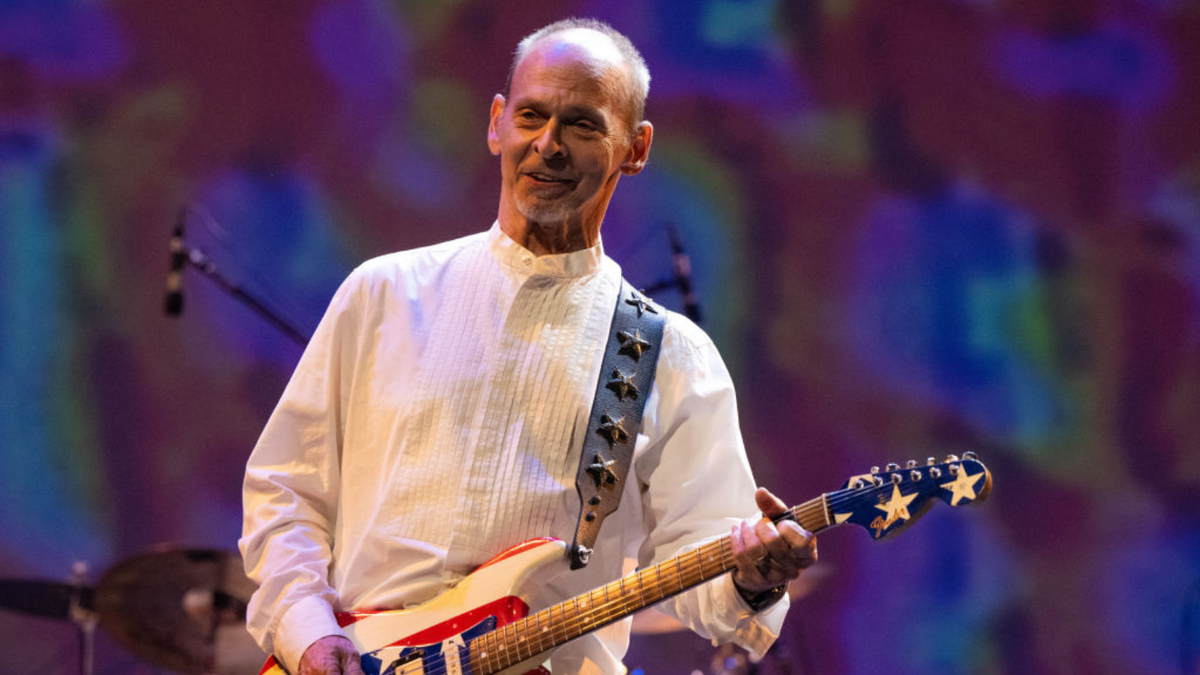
(436, 419)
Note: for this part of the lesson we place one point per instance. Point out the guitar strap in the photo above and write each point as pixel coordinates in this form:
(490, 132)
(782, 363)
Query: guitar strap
(621, 391)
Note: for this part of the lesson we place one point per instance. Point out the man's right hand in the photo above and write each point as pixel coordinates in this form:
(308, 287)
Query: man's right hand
(331, 655)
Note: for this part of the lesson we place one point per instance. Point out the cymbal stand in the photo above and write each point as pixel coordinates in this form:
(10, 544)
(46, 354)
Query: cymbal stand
(83, 617)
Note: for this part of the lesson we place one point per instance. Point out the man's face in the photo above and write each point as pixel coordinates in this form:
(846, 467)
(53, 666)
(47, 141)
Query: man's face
(563, 134)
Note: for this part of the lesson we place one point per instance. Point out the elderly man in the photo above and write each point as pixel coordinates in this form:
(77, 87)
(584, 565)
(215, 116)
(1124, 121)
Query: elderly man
(434, 420)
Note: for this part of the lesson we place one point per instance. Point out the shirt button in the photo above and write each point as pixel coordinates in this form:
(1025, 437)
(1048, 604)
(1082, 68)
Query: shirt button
(526, 259)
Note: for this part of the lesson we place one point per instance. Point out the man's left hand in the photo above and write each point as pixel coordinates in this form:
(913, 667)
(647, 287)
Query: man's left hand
(769, 555)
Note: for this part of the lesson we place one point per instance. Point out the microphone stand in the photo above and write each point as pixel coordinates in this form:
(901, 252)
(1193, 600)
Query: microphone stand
(196, 258)
(83, 617)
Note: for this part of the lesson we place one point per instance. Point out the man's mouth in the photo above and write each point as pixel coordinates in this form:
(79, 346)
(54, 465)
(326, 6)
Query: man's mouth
(546, 179)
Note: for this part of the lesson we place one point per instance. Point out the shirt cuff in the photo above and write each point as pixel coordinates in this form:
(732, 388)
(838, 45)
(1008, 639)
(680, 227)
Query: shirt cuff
(305, 622)
(754, 631)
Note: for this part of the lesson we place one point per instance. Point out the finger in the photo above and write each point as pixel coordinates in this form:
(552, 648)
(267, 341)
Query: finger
(775, 547)
(802, 544)
(747, 551)
(791, 532)
(769, 504)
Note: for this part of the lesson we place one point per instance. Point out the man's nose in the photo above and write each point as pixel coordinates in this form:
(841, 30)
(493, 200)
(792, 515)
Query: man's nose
(549, 143)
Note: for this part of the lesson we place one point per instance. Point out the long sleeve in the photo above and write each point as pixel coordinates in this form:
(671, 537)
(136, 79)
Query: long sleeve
(291, 492)
(698, 483)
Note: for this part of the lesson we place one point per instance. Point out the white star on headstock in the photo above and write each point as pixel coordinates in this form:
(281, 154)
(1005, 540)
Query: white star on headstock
(963, 486)
(896, 508)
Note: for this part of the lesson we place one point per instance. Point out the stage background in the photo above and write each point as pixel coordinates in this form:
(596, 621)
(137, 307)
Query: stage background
(916, 228)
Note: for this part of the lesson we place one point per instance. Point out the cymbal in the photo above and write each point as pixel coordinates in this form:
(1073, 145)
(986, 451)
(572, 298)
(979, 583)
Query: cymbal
(47, 599)
(178, 607)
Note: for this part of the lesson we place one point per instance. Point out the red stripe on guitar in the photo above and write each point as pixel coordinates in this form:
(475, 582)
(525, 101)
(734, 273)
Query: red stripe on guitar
(517, 550)
(268, 665)
(346, 618)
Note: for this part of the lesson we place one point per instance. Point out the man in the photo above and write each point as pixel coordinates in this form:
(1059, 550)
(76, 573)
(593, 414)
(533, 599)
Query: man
(435, 419)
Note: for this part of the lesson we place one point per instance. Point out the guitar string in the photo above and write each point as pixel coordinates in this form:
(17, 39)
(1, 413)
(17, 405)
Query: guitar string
(507, 640)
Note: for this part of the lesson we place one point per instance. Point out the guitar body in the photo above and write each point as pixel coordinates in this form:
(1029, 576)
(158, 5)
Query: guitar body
(429, 638)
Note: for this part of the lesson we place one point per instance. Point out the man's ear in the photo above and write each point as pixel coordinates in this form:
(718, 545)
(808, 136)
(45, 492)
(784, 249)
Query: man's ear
(494, 124)
(639, 150)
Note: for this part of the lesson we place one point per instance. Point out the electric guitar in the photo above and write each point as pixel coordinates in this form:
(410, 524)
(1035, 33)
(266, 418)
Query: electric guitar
(481, 626)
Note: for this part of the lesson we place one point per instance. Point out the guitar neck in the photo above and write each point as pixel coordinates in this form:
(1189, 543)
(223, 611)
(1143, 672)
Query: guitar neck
(555, 625)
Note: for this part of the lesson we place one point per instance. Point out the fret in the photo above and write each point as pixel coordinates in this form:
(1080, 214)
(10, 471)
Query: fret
(628, 595)
(473, 659)
(518, 639)
(678, 571)
(552, 624)
(540, 629)
(599, 607)
(487, 653)
(502, 645)
(657, 580)
(708, 561)
(638, 602)
(573, 622)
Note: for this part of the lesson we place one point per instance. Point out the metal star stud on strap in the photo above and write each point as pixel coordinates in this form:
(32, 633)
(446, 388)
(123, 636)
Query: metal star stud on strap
(632, 344)
(613, 431)
(622, 385)
(639, 301)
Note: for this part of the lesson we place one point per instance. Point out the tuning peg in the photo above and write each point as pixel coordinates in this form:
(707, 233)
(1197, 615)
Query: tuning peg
(874, 469)
(935, 472)
(931, 461)
(893, 466)
(912, 463)
(878, 480)
(897, 477)
(951, 458)
(860, 484)
(953, 469)
(915, 475)
(970, 454)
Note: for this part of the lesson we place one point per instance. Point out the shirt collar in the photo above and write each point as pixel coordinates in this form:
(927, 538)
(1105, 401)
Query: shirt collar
(565, 265)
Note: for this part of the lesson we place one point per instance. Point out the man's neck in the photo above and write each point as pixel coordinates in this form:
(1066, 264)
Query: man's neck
(547, 238)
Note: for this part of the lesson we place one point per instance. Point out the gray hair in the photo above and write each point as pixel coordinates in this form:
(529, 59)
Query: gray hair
(637, 65)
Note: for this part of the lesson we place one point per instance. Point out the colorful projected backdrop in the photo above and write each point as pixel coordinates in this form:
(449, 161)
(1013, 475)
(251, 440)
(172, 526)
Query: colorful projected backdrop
(916, 228)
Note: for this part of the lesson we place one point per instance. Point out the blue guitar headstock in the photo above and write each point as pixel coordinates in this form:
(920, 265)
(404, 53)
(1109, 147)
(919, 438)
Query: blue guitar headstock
(887, 501)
